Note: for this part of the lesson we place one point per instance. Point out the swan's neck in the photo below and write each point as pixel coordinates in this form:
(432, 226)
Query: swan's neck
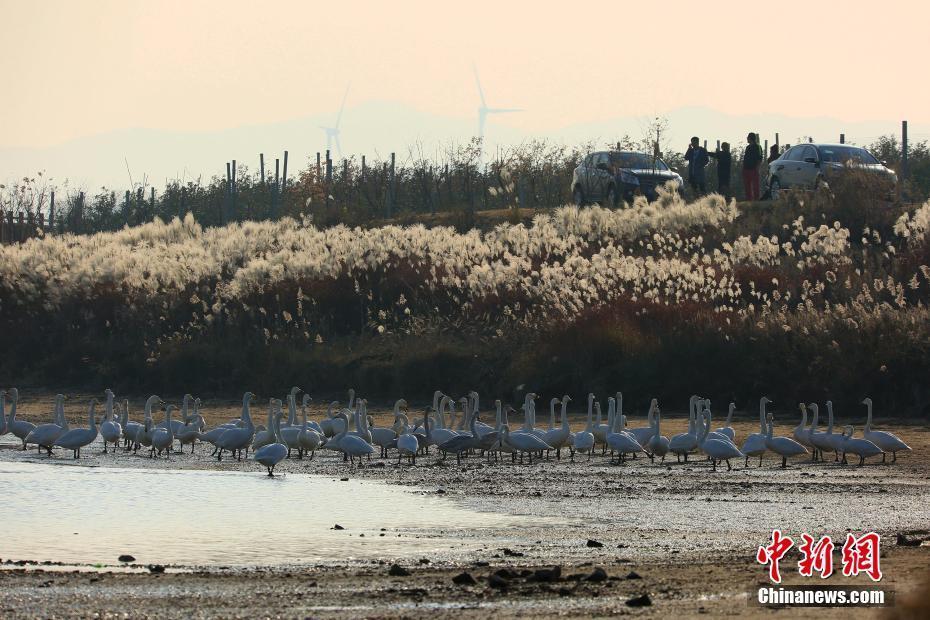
(829, 419)
(730, 414)
(92, 416)
(762, 416)
(868, 417)
(565, 415)
(292, 409)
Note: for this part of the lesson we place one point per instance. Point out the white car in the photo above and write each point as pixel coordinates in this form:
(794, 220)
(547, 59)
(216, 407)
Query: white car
(809, 166)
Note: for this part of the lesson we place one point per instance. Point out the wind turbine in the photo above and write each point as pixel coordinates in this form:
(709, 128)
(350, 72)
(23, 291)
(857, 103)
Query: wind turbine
(332, 133)
(484, 110)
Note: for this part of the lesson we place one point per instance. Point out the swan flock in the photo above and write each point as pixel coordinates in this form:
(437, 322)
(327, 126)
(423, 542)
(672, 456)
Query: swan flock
(348, 430)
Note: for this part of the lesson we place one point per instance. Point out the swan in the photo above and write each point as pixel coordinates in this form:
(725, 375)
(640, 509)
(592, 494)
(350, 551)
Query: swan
(237, 439)
(560, 437)
(44, 435)
(129, 428)
(267, 436)
(214, 434)
(351, 445)
(618, 439)
(802, 434)
(273, 453)
(144, 433)
(717, 449)
(836, 440)
(726, 429)
(599, 429)
(524, 443)
(77, 438)
(755, 443)
(163, 437)
(110, 429)
(782, 446)
(441, 434)
(642, 434)
(384, 437)
(552, 403)
(310, 438)
(407, 443)
(489, 443)
(822, 441)
(888, 442)
(658, 444)
(20, 428)
(291, 408)
(714, 434)
(461, 443)
(583, 441)
(683, 443)
(863, 448)
(193, 426)
(312, 424)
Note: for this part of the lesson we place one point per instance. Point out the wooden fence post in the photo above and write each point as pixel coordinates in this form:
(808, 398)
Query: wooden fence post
(284, 178)
(904, 170)
(51, 213)
(392, 187)
(277, 185)
(261, 164)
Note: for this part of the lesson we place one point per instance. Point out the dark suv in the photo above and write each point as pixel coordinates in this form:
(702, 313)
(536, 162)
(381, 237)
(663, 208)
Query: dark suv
(606, 177)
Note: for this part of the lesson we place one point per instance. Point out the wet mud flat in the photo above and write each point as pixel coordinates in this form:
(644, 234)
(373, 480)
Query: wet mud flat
(690, 533)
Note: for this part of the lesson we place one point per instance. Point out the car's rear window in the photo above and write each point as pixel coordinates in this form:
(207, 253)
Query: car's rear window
(842, 154)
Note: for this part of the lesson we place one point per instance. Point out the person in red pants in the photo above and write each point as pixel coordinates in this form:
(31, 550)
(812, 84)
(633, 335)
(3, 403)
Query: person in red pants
(752, 161)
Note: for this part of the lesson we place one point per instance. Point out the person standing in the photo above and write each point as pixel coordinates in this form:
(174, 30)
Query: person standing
(752, 160)
(724, 162)
(697, 159)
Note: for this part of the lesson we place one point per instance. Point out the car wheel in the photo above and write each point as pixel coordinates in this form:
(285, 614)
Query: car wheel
(612, 196)
(774, 188)
(578, 196)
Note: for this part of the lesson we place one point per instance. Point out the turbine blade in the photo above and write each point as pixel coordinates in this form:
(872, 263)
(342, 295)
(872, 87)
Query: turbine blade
(478, 82)
(503, 110)
(338, 145)
(342, 107)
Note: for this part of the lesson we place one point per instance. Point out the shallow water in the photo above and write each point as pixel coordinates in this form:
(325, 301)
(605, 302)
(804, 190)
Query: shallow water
(93, 515)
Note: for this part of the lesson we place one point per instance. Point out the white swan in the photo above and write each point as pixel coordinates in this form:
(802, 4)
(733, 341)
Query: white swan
(44, 435)
(193, 426)
(684, 443)
(407, 443)
(802, 434)
(20, 428)
(440, 434)
(461, 443)
(618, 440)
(583, 441)
(524, 443)
(110, 430)
(726, 429)
(144, 432)
(658, 443)
(561, 436)
(755, 443)
(717, 449)
(863, 448)
(273, 453)
(385, 437)
(823, 441)
(267, 436)
(129, 428)
(77, 438)
(642, 434)
(351, 445)
(291, 408)
(782, 446)
(888, 442)
(310, 438)
(163, 437)
(237, 439)
(836, 440)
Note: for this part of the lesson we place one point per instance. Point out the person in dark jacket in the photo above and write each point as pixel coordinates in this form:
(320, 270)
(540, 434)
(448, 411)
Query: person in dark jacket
(697, 159)
(752, 160)
(724, 162)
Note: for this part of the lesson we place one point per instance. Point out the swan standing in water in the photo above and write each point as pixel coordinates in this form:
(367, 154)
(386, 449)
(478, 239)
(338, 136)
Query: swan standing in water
(863, 448)
(755, 443)
(44, 435)
(273, 453)
(77, 438)
(782, 446)
(888, 442)
(110, 430)
(20, 428)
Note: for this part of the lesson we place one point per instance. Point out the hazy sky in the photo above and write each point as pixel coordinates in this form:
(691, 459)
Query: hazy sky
(75, 68)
